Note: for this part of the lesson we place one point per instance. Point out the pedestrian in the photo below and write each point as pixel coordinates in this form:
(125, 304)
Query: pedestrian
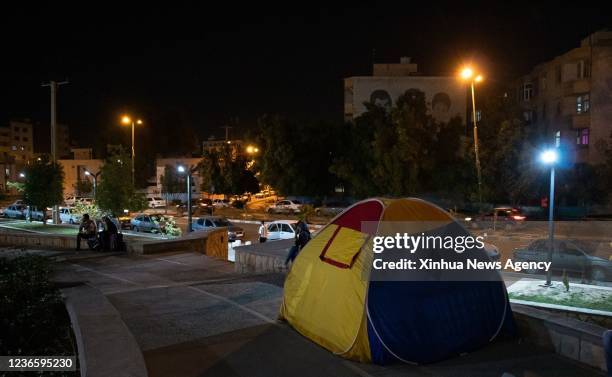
(87, 230)
(263, 232)
(302, 236)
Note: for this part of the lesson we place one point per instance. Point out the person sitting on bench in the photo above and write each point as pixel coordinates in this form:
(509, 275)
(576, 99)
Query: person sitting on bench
(87, 230)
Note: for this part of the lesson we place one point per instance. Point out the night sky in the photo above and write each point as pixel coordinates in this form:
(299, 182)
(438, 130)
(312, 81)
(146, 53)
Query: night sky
(205, 67)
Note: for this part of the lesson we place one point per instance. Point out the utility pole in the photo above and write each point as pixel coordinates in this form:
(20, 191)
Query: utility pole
(227, 128)
(53, 85)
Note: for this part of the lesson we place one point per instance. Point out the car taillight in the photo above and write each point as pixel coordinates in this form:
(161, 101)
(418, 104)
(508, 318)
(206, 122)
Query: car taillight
(517, 217)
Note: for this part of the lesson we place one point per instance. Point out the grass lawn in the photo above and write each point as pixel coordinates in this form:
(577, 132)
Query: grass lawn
(579, 296)
(40, 227)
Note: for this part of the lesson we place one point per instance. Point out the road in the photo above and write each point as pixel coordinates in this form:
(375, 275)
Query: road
(194, 316)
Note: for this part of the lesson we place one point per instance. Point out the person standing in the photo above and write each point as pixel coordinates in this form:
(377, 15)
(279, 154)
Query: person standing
(263, 233)
(302, 236)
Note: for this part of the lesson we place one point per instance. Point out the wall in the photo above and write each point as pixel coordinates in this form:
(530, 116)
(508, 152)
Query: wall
(374, 89)
(75, 169)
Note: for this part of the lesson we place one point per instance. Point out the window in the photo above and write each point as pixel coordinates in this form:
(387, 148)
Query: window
(583, 69)
(557, 138)
(286, 228)
(558, 74)
(16, 138)
(478, 115)
(583, 103)
(527, 91)
(209, 224)
(543, 83)
(582, 136)
(272, 228)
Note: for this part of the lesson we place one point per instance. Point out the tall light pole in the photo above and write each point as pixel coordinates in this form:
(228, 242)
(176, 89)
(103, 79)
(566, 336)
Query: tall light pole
(550, 157)
(468, 74)
(127, 120)
(181, 169)
(94, 176)
(53, 85)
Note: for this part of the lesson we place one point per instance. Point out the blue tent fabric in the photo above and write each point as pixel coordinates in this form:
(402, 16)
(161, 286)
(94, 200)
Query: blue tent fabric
(443, 318)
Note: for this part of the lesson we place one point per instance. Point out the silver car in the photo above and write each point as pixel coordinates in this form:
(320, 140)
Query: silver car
(209, 222)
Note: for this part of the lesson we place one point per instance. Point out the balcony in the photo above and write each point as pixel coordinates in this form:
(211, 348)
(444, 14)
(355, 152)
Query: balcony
(581, 121)
(576, 87)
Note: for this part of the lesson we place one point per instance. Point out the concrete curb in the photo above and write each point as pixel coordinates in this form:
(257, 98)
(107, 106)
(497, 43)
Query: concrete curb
(106, 346)
(574, 339)
(561, 307)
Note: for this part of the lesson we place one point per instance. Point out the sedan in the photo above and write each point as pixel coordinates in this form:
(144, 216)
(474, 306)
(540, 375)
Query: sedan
(156, 202)
(285, 206)
(209, 222)
(588, 258)
(148, 223)
(15, 211)
(67, 215)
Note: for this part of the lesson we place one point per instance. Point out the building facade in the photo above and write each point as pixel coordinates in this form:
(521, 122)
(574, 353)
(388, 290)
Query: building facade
(174, 163)
(569, 99)
(74, 171)
(445, 95)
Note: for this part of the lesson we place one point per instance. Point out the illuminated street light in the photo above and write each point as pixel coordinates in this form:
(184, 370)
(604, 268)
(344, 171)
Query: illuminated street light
(550, 157)
(252, 149)
(127, 120)
(21, 175)
(182, 169)
(94, 176)
(468, 74)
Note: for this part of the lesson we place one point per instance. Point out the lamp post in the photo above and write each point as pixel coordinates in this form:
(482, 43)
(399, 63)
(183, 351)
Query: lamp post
(94, 176)
(550, 157)
(468, 74)
(127, 120)
(182, 170)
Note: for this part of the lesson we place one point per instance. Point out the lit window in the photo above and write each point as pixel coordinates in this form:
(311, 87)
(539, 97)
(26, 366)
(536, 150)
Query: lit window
(582, 136)
(583, 103)
(583, 69)
(478, 115)
(557, 138)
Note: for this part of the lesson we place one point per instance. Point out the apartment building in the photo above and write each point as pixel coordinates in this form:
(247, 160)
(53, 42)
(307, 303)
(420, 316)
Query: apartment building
(569, 99)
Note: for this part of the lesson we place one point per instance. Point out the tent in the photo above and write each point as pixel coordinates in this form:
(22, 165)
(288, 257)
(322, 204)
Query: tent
(332, 297)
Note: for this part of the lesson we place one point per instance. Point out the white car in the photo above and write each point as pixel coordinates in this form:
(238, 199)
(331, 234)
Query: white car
(285, 206)
(156, 202)
(281, 230)
(67, 215)
(15, 211)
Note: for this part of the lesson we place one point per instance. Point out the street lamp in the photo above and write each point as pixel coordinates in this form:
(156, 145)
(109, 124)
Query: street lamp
(550, 157)
(21, 175)
(182, 170)
(127, 120)
(95, 180)
(468, 74)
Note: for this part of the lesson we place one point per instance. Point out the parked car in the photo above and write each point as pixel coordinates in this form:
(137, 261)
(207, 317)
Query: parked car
(281, 230)
(156, 202)
(285, 206)
(220, 203)
(591, 258)
(208, 222)
(331, 208)
(125, 220)
(67, 215)
(15, 211)
(35, 213)
(153, 223)
(500, 218)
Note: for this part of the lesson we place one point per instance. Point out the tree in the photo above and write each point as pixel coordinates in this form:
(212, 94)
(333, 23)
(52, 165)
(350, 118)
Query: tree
(43, 185)
(115, 191)
(223, 172)
(296, 158)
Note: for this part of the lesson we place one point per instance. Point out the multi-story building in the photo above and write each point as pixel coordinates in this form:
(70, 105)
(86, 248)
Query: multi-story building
(445, 95)
(569, 99)
(213, 145)
(17, 141)
(75, 168)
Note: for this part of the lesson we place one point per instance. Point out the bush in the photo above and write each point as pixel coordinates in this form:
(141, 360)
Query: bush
(33, 320)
